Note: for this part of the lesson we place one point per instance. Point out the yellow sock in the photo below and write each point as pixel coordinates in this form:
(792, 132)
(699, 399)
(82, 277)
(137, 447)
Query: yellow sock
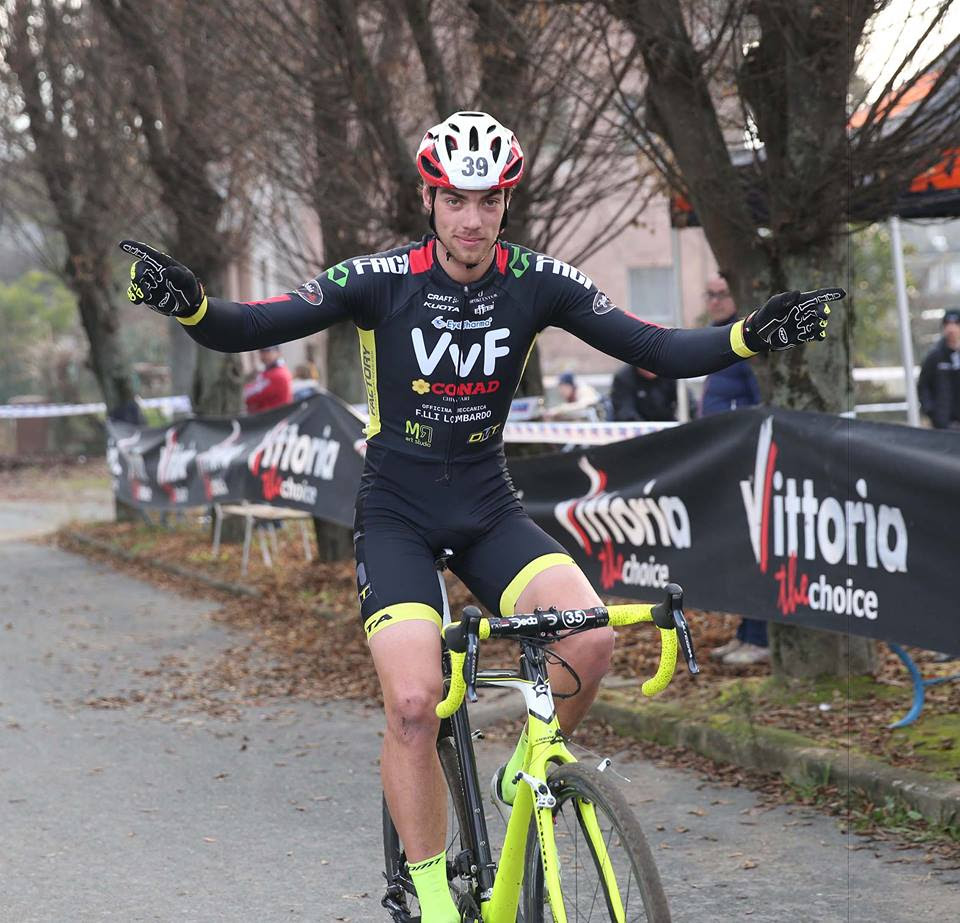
(430, 879)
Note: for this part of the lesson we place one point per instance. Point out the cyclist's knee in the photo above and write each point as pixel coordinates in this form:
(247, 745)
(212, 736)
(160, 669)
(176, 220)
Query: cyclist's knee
(411, 712)
(562, 585)
(591, 651)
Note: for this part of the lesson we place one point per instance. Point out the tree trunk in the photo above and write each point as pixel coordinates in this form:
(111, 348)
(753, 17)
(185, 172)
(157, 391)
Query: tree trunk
(217, 384)
(108, 359)
(217, 388)
(182, 353)
(800, 653)
(334, 543)
(343, 364)
(87, 275)
(817, 378)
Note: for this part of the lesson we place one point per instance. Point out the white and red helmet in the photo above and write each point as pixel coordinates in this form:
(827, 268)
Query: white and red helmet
(470, 150)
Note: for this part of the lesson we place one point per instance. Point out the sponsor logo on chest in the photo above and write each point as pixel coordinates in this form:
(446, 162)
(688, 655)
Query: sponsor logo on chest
(445, 323)
(397, 265)
(437, 302)
(464, 360)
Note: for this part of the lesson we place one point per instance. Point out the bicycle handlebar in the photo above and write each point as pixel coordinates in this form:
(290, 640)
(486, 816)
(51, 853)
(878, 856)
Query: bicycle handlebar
(462, 639)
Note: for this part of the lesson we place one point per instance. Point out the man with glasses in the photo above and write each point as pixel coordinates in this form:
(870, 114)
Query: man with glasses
(728, 389)
(736, 385)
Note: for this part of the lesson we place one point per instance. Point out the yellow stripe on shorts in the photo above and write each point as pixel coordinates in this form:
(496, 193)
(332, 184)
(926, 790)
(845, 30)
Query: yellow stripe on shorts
(401, 612)
(509, 597)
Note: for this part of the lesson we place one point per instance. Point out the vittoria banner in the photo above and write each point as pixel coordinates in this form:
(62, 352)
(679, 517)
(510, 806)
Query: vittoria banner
(799, 517)
(302, 455)
(805, 518)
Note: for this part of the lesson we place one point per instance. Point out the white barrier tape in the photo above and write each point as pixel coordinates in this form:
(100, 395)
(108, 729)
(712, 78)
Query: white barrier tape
(563, 432)
(580, 433)
(179, 403)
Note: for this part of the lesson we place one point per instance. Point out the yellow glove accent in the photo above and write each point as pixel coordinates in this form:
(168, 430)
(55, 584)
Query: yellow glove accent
(197, 316)
(737, 343)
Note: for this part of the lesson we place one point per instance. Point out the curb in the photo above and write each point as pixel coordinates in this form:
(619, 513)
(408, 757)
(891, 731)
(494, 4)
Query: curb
(796, 758)
(236, 589)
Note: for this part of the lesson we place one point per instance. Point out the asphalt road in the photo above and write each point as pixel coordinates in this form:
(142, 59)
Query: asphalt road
(160, 813)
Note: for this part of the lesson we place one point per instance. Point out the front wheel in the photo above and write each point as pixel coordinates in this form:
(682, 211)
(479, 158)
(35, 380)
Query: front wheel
(607, 871)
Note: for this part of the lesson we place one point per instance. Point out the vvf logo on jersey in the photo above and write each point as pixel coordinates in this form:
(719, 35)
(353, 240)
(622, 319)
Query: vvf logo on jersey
(601, 521)
(491, 349)
(789, 522)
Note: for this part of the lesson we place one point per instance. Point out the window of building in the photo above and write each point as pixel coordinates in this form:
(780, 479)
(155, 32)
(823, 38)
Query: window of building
(650, 289)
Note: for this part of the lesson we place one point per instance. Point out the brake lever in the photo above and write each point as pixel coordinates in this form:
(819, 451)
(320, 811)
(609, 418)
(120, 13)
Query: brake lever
(470, 665)
(686, 641)
(471, 623)
(670, 615)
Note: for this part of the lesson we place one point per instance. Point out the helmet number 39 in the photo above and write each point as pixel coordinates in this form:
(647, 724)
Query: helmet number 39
(476, 166)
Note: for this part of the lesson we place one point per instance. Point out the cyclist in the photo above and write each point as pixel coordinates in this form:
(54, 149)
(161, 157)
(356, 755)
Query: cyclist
(445, 326)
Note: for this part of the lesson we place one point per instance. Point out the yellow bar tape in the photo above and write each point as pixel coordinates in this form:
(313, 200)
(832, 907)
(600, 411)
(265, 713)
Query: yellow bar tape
(630, 614)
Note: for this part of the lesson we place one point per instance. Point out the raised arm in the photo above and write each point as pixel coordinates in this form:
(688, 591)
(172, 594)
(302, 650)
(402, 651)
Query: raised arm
(786, 320)
(169, 287)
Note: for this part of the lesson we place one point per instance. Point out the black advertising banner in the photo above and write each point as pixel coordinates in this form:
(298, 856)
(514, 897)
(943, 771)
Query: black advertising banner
(799, 517)
(305, 455)
(807, 518)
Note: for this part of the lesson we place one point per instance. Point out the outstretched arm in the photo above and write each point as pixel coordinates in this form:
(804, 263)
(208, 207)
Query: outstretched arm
(785, 321)
(169, 287)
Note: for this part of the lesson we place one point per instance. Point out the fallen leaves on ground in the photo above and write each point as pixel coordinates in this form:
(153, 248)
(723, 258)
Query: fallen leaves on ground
(302, 638)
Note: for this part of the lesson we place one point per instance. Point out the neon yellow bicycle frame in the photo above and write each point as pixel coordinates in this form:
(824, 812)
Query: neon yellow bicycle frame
(544, 747)
(534, 799)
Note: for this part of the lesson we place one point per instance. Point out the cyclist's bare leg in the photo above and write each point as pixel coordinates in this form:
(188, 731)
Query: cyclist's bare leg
(589, 653)
(407, 659)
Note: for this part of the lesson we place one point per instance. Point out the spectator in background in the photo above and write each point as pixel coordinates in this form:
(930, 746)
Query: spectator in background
(938, 386)
(637, 394)
(733, 387)
(736, 385)
(305, 382)
(272, 386)
(577, 401)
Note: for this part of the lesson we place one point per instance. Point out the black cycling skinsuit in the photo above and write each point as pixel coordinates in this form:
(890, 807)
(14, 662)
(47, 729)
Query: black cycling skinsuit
(441, 361)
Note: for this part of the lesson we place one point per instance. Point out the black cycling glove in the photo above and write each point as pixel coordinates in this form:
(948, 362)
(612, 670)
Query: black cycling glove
(790, 319)
(161, 283)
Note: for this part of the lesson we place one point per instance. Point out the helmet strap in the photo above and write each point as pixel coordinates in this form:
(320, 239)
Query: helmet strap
(433, 199)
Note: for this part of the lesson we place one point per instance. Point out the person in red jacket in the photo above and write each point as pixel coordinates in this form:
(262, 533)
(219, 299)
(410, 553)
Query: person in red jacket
(273, 385)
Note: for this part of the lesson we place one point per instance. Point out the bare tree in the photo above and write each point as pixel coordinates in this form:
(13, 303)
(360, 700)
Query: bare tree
(368, 77)
(185, 74)
(69, 136)
(746, 110)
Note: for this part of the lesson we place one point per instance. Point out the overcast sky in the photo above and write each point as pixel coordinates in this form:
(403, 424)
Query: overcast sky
(896, 30)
